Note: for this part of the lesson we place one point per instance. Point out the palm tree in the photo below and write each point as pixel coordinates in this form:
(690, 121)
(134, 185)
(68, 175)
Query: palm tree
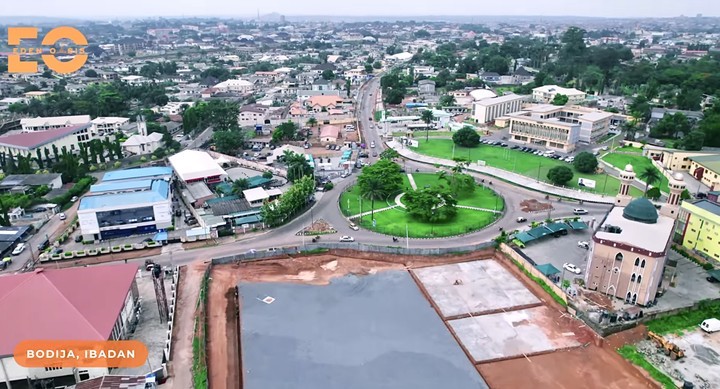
(630, 128)
(372, 188)
(390, 154)
(240, 185)
(312, 122)
(427, 117)
(650, 175)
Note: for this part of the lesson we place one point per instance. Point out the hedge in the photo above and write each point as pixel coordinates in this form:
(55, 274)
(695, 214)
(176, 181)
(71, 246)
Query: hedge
(78, 189)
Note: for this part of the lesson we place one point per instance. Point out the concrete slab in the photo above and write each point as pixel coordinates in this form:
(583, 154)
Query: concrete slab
(375, 331)
(702, 358)
(473, 288)
(510, 334)
(149, 330)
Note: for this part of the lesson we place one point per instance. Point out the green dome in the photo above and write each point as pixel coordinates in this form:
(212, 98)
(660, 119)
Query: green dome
(641, 210)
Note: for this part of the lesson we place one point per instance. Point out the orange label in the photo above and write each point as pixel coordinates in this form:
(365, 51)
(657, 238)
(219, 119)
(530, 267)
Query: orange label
(80, 353)
(16, 34)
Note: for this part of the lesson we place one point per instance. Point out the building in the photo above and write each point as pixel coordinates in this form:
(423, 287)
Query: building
(629, 250)
(197, 193)
(21, 183)
(490, 77)
(563, 125)
(30, 143)
(51, 123)
(426, 87)
(192, 166)
(135, 80)
(488, 109)
(323, 103)
(143, 144)
(252, 114)
(658, 114)
(699, 226)
(704, 168)
(258, 196)
(80, 303)
(237, 86)
(329, 134)
(116, 382)
(546, 94)
(103, 126)
(10, 237)
(303, 95)
(672, 159)
(174, 107)
(127, 202)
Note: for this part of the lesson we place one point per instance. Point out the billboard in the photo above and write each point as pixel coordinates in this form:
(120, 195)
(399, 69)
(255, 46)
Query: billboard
(585, 182)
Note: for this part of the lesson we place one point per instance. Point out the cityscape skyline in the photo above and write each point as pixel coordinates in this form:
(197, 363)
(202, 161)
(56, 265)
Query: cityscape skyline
(369, 8)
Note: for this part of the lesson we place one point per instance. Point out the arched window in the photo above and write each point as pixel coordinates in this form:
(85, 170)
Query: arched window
(639, 279)
(632, 279)
(627, 297)
(634, 298)
(642, 264)
(637, 261)
(618, 257)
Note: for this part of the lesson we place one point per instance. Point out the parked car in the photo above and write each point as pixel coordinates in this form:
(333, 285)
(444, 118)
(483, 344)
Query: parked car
(374, 154)
(584, 244)
(710, 325)
(19, 249)
(354, 227)
(78, 238)
(580, 211)
(521, 219)
(272, 249)
(62, 216)
(571, 268)
(346, 238)
(74, 199)
(372, 144)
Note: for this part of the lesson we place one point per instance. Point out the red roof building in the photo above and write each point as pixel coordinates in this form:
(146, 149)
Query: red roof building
(26, 143)
(81, 303)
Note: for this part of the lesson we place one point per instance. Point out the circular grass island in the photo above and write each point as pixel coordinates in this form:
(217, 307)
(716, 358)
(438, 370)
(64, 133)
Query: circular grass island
(475, 210)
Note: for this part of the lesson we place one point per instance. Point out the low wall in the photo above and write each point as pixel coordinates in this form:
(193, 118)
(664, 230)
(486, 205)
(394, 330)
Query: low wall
(529, 266)
(199, 342)
(362, 247)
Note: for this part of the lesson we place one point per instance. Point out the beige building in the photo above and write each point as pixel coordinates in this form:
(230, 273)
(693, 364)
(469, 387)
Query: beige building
(487, 110)
(629, 249)
(706, 169)
(546, 94)
(53, 122)
(672, 159)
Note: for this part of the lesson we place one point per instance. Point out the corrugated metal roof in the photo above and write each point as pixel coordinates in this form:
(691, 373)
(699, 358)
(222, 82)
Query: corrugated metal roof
(146, 172)
(121, 186)
(160, 191)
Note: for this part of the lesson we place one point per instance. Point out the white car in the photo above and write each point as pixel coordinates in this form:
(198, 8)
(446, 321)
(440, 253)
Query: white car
(19, 249)
(580, 211)
(584, 244)
(372, 144)
(571, 268)
(62, 216)
(354, 227)
(347, 239)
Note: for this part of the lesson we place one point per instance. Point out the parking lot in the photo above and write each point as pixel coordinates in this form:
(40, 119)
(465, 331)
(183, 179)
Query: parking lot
(558, 251)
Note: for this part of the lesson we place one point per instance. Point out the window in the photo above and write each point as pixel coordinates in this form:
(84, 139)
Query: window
(642, 264)
(53, 368)
(637, 261)
(618, 257)
(639, 279)
(632, 278)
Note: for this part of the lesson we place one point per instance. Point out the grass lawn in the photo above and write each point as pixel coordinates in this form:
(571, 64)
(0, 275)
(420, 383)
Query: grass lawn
(630, 353)
(353, 195)
(393, 222)
(527, 164)
(377, 116)
(481, 198)
(685, 320)
(639, 164)
(628, 149)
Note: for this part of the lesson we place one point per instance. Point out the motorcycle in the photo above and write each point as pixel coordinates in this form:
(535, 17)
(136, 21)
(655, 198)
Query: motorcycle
(395, 239)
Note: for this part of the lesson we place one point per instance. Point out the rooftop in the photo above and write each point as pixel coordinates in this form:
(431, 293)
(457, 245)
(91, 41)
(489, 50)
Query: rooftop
(711, 162)
(29, 179)
(159, 191)
(80, 303)
(651, 237)
(707, 205)
(121, 186)
(192, 165)
(131, 174)
(55, 121)
(499, 99)
(35, 139)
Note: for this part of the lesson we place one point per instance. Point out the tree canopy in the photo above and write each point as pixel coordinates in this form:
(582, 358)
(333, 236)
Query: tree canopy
(466, 137)
(585, 162)
(434, 205)
(560, 175)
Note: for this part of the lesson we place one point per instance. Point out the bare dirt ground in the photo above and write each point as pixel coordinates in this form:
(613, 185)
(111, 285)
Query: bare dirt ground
(223, 337)
(188, 289)
(534, 206)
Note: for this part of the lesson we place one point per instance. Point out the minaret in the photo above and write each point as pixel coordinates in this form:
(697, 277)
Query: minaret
(627, 177)
(677, 186)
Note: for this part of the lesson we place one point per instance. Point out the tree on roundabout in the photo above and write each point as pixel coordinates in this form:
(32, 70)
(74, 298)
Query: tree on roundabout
(378, 181)
(433, 205)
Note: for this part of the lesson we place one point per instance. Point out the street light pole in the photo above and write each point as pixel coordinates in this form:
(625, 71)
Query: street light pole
(407, 237)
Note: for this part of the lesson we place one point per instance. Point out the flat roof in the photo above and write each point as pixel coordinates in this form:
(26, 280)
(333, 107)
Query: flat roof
(707, 205)
(500, 99)
(358, 332)
(145, 172)
(194, 164)
(121, 186)
(651, 237)
(159, 191)
(255, 194)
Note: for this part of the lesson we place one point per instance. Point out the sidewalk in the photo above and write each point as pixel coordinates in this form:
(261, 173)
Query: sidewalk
(514, 178)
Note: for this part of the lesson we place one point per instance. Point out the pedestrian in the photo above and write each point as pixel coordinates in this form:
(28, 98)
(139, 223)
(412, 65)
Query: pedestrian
(125, 260)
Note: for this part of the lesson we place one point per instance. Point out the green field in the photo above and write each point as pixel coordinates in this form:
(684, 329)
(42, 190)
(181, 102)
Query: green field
(527, 164)
(393, 221)
(628, 149)
(639, 164)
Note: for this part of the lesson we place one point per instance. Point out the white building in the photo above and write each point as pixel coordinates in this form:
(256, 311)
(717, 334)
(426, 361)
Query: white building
(135, 80)
(28, 143)
(52, 122)
(489, 109)
(174, 107)
(193, 165)
(127, 202)
(257, 196)
(103, 126)
(238, 86)
(252, 114)
(546, 94)
(142, 143)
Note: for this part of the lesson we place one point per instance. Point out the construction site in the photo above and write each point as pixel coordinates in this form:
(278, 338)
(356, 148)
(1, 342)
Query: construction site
(358, 320)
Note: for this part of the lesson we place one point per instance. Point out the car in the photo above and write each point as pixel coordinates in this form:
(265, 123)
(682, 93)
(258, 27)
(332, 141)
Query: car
(521, 219)
(74, 199)
(374, 154)
(354, 227)
(580, 211)
(43, 245)
(372, 144)
(62, 216)
(130, 221)
(344, 175)
(711, 279)
(515, 147)
(57, 250)
(78, 238)
(584, 244)
(272, 249)
(346, 238)
(327, 147)
(19, 249)
(503, 145)
(572, 268)
(306, 145)
(147, 240)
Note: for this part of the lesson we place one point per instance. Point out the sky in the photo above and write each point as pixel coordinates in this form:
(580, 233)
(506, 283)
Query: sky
(238, 8)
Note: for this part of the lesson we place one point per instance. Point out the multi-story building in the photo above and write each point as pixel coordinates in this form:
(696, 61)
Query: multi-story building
(238, 86)
(698, 227)
(303, 95)
(706, 169)
(31, 143)
(103, 126)
(487, 110)
(252, 114)
(629, 250)
(562, 125)
(546, 94)
(673, 159)
(127, 202)
(52, 122)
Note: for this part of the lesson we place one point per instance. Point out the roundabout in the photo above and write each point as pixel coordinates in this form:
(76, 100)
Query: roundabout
(474, 210)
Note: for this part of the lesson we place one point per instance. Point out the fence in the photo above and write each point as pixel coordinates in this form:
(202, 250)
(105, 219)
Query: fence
(199, 344)
(528, 266)
(171, 320)
(363, 247)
